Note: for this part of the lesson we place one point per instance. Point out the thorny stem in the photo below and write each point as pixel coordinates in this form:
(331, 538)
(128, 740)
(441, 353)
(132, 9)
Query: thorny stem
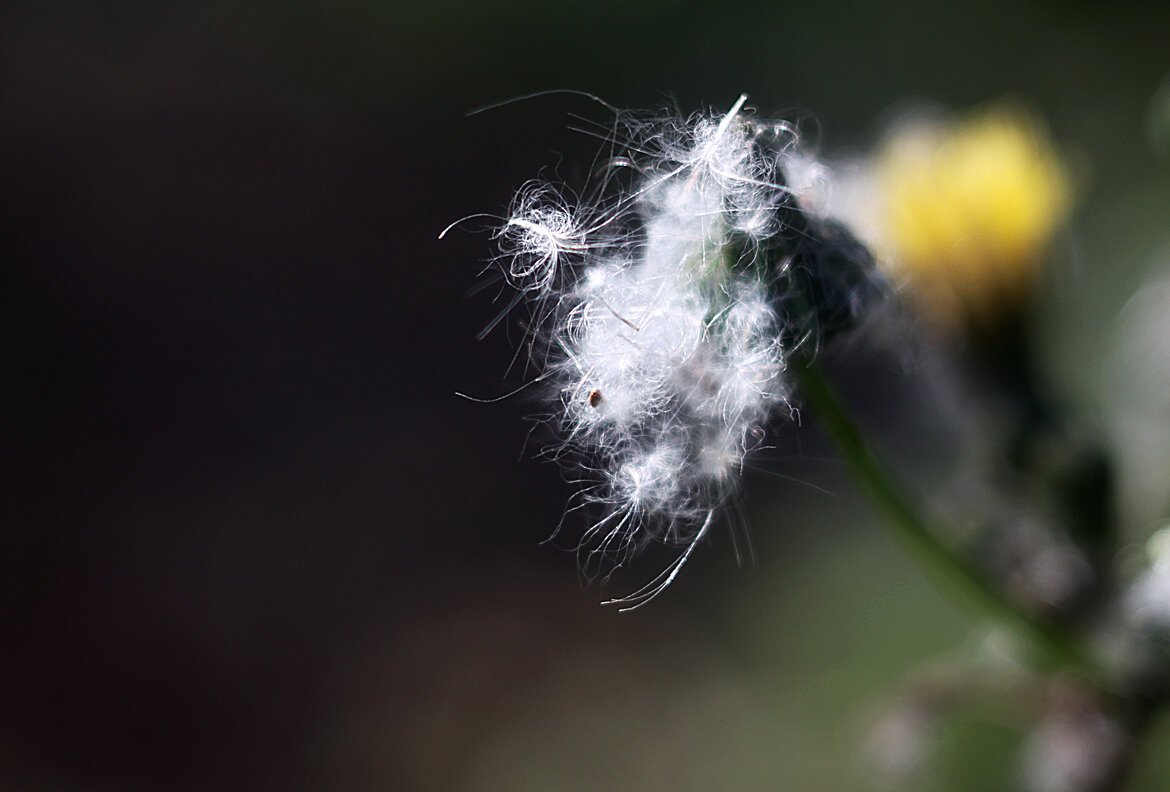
(945, 568)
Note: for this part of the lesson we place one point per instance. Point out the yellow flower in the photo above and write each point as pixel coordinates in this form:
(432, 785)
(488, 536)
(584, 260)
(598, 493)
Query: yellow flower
(970, 209)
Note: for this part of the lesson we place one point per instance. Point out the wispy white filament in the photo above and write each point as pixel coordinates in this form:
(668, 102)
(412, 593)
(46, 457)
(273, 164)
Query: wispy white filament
(663, 347)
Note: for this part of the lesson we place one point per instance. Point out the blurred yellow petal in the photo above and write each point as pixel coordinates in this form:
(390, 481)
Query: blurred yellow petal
(970, 210)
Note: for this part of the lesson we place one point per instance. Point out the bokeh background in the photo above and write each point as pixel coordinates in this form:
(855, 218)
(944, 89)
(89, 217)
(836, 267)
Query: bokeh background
(252, 538)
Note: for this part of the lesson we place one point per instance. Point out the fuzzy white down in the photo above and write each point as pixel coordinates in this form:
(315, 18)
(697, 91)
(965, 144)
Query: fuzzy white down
(664, 348)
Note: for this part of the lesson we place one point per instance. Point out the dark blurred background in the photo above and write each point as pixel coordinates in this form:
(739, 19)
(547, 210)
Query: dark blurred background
(252, 538)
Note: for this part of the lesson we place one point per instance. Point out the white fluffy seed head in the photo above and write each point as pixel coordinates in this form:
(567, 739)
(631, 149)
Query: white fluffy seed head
(664, 348)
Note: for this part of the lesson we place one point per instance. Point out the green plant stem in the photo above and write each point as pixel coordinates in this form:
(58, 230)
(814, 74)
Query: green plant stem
(945, 567)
